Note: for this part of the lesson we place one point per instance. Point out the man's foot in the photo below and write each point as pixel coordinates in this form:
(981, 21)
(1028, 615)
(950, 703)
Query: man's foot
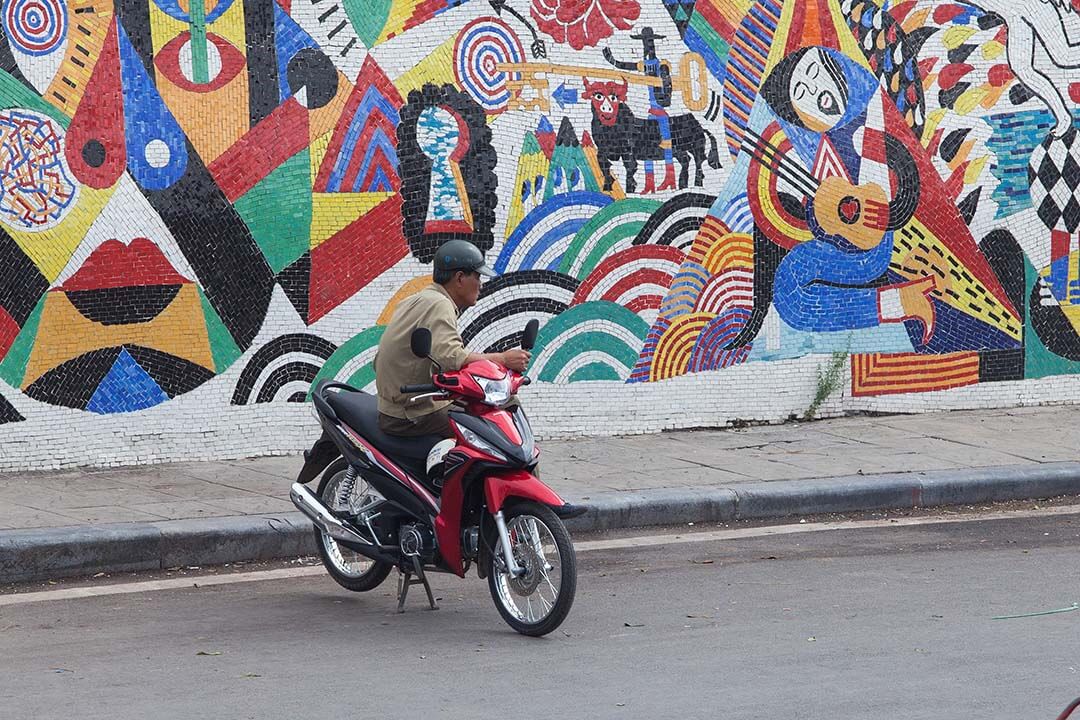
(669, 178)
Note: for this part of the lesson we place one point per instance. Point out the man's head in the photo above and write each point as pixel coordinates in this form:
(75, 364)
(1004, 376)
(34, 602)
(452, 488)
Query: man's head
(458, 267)
(808, 89)
(648, 38)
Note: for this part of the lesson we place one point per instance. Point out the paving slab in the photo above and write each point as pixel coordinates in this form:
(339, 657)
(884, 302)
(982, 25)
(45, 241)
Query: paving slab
(184, 509)
(965, 455)
(260, 505)
(21, 517)
(108, 514)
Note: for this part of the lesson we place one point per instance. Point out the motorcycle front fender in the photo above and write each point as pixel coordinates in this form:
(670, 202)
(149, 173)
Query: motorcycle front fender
(321, 454)
(518, 484)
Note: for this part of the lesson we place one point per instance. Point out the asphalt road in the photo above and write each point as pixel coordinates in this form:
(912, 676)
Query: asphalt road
(891, 622)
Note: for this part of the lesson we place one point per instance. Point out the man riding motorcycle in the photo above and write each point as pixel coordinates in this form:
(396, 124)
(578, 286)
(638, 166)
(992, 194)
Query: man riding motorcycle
(458, 267)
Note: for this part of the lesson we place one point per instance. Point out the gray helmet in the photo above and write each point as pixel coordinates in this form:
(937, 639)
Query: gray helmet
(459, 255)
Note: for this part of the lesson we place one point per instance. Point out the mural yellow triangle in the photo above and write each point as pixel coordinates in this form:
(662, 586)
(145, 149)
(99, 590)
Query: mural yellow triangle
(231, 25)
(330, 212)
(51, 249)
(400, 12)
(849, 46)
(164, 28)
(437, 68)
(777, 50)
(530, 166)
(319, 147)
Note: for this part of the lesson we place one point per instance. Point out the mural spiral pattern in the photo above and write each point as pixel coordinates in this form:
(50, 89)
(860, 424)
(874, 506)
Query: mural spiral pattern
(480, 47)
(36, 27)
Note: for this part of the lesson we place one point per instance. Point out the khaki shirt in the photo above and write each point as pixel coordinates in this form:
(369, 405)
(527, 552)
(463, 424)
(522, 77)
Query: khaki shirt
(395, 365)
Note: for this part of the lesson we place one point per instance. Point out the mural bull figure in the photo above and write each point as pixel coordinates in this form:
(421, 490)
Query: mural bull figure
(621, 135)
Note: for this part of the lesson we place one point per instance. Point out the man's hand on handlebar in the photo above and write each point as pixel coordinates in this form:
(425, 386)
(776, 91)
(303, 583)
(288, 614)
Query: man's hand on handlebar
(516, 359)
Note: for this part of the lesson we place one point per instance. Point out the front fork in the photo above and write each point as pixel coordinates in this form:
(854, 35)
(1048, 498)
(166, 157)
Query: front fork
(508, 552)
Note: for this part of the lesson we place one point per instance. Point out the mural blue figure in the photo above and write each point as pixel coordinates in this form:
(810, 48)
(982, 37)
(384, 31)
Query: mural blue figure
(861, 186)
(830, 282)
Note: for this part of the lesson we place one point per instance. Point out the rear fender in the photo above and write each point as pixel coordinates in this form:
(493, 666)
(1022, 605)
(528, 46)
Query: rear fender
(321, 454)
(518, 484)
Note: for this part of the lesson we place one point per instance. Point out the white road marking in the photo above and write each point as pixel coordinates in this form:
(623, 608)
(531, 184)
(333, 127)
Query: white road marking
(793, 529)
(155, 585)
(585, 546)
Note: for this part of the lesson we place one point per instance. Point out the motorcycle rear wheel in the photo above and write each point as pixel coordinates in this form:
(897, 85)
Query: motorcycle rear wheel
(539, 601)
(350, 569)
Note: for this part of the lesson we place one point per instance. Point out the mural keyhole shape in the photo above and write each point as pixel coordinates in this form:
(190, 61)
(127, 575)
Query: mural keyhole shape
(444, 138)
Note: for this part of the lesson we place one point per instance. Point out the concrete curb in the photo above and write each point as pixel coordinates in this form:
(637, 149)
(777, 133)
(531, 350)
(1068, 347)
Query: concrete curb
(849, 493)
(39, 554)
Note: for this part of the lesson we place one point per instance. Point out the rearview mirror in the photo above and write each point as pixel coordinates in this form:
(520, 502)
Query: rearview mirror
(528, 339)
(420, 342)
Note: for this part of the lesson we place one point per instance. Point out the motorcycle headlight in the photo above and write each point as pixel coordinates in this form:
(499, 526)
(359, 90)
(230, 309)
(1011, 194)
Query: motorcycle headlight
(496, 392)
(480, 443)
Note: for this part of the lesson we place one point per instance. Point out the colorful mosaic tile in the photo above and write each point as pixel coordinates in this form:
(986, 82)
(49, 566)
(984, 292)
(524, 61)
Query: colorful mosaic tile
(207, 205)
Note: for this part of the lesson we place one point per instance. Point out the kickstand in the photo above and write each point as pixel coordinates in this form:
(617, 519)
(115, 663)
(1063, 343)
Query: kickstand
(405, 581)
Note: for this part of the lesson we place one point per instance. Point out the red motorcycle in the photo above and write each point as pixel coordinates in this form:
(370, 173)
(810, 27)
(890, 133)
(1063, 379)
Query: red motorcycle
(432, 504)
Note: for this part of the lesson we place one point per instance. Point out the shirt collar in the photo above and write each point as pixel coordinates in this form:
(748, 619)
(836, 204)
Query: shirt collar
(442, 291)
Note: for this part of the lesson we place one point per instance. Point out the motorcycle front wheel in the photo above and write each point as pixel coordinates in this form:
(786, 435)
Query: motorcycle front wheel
(536, 602)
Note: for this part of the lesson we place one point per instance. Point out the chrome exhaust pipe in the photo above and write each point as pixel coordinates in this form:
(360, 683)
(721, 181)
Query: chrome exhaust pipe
(309, 504)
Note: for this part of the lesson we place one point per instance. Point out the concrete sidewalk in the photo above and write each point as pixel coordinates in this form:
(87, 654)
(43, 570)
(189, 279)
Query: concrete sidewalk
(78, 522)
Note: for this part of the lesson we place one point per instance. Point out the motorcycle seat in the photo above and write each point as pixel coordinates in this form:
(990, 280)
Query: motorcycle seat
(360, 411)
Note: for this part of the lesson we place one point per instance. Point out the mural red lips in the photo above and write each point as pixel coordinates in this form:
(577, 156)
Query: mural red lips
(123, 284)
(114, 264)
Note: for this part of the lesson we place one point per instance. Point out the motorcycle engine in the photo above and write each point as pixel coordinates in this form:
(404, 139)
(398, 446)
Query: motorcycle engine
(416, 540)
(470, 541)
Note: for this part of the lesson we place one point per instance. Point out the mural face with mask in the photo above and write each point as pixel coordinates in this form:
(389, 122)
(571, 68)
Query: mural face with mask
(818, 90)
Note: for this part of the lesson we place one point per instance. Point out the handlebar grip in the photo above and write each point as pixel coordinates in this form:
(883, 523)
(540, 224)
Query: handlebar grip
(427, 387)
(526, 380)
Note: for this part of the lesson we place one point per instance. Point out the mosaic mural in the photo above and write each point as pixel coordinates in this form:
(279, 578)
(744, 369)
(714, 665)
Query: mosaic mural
(236, 193)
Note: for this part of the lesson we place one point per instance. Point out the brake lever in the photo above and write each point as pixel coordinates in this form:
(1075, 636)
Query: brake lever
(440, 394)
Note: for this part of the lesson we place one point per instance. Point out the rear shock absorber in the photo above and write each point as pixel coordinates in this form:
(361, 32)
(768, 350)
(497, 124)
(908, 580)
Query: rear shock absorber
(345, 489)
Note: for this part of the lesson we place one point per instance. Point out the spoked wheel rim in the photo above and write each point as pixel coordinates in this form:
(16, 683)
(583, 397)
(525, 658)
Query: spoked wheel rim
(532, 597)
(347, 562)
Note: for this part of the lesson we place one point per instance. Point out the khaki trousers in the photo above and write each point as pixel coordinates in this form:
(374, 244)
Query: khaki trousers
(437, 423)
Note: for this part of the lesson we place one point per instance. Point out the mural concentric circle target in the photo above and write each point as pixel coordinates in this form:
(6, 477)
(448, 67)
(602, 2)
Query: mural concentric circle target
(481, 46)
(35, 27)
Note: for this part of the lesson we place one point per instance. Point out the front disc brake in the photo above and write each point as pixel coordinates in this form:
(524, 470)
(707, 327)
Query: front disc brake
(527, 558)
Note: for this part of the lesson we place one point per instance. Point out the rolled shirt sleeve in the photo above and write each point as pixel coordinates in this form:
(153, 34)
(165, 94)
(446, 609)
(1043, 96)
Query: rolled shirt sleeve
(447, 349)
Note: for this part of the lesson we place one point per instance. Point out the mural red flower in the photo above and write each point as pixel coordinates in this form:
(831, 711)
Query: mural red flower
(584, 23)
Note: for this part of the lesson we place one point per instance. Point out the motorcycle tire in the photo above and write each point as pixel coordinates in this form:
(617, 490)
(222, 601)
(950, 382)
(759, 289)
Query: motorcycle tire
(519, 518)
(364, 581)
